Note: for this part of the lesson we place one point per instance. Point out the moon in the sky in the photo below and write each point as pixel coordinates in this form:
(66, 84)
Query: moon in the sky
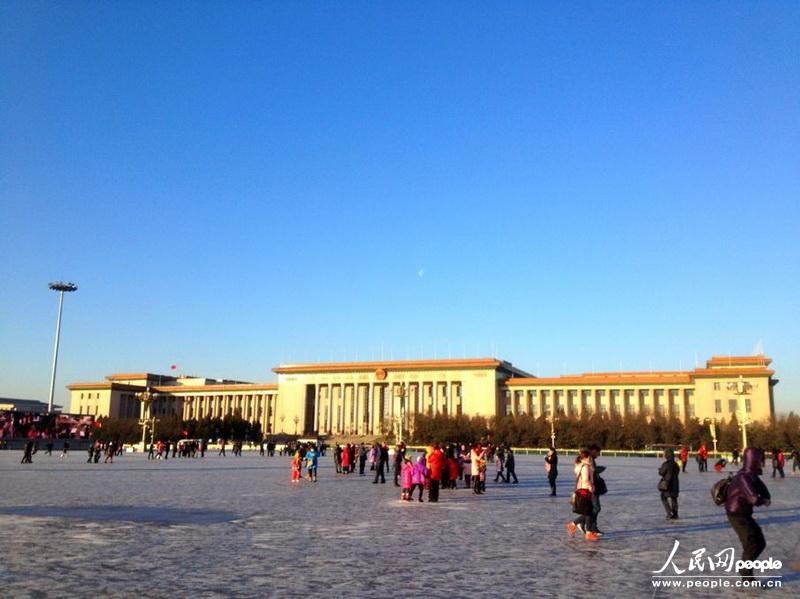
(421, 273)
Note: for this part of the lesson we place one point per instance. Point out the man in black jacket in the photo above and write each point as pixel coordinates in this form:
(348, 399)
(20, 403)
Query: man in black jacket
(399, 454)
(382, 461)
(668, 485)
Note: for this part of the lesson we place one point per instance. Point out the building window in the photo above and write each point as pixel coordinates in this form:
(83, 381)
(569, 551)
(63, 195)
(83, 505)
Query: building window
(691, 410)
(732, 406)
(747, 405)
(716, 386)
(718, 406)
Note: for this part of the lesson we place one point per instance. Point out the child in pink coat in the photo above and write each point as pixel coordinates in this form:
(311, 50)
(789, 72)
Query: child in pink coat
(406, 476)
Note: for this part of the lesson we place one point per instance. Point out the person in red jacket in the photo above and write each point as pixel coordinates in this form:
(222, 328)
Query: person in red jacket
(346, 459)
(684, 457)
(702, 458)
(452, 467)
(436, 462)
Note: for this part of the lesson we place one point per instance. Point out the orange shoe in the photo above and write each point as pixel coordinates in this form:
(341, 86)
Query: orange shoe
(571, 528)
(592, 536)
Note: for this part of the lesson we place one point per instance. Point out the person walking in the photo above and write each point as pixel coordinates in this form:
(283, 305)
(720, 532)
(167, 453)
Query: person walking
(382, 456)
(337, 458)
(373, 456)
(362, 459)
(27, 456)
(510, 467)
(582, 498)
(435, 466)
(668, 485)
(406, 477)
(499, 465)
(702, 458)
(684, 457)
(476, 455)
(599, 487)
(345, 459)
(312, 457)
(778, 462)
(745, 492)
(551, 467)
(222, 444)
(65, 451)
(399, 456)
(418, 476)
(297, 464)
(795, 460)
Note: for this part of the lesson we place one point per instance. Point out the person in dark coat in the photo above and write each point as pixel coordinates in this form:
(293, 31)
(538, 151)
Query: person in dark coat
(380, 465)
(551, 467)
(746, 491)
(27, 456)
(668, 485)
(510, 467)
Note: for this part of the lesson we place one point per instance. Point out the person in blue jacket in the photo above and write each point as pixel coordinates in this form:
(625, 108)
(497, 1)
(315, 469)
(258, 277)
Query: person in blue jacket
(311, 462)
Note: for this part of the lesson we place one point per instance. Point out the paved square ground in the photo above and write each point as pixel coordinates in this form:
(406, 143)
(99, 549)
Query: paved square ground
(236, 526)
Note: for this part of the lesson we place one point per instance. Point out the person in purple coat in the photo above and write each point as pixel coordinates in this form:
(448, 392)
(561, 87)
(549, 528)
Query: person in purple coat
(745, 491)
(419, 473)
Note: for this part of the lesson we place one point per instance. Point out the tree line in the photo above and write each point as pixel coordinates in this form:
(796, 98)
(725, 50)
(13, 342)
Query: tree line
(635, 432)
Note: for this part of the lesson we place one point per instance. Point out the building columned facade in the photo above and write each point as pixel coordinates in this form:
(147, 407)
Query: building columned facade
(371, 398)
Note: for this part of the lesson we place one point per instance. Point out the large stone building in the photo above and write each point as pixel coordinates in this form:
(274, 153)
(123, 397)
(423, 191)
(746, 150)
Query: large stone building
(369, 398)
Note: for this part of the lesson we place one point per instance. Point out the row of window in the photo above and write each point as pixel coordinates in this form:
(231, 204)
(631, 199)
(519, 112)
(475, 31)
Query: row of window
(89, 396)
(615, 409)
(733, 406)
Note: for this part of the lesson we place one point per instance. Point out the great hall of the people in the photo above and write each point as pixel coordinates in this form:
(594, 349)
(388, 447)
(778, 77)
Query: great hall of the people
(369, 398)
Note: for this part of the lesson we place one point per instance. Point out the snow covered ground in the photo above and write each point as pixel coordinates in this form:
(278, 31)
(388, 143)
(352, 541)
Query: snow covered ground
(232, 526)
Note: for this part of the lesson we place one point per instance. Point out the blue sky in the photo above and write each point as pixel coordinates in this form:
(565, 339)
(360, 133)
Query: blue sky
(237, 185)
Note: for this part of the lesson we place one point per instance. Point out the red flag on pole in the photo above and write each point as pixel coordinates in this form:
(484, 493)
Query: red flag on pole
(174, 367)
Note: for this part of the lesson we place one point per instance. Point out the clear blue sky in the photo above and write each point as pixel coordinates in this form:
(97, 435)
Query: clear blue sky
(237, 185)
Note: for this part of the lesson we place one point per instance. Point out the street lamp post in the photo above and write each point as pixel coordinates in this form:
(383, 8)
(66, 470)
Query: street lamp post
(61, 288)
(146, 398)
(741, 388)
(400, 393)
(553, 428)
(712, 427)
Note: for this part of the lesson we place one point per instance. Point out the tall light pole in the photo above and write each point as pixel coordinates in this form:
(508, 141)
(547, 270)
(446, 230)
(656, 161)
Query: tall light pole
(61, 288)
(742, 388)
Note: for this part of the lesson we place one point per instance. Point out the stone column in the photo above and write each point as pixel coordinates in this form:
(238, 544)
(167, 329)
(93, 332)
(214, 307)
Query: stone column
(357, 410)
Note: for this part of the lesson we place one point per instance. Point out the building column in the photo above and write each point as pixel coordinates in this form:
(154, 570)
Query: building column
(377, 415)
(357, 411)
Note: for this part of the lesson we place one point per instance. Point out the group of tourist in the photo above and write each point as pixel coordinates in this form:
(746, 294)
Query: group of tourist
(97, 450)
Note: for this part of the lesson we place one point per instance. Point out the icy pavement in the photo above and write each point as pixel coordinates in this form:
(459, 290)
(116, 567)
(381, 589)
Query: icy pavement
(221, 527)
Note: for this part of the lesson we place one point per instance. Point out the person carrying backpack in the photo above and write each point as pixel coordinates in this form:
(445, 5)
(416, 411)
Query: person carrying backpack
(745, 491)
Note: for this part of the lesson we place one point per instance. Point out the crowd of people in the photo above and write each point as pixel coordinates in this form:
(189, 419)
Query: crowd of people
(450, 466)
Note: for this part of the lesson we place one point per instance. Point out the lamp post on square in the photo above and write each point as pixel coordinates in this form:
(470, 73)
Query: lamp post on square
(62, 288)
(741, 389)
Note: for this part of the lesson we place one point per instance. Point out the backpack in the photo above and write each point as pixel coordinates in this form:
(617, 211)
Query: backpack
(719, 492)
(600, 487)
